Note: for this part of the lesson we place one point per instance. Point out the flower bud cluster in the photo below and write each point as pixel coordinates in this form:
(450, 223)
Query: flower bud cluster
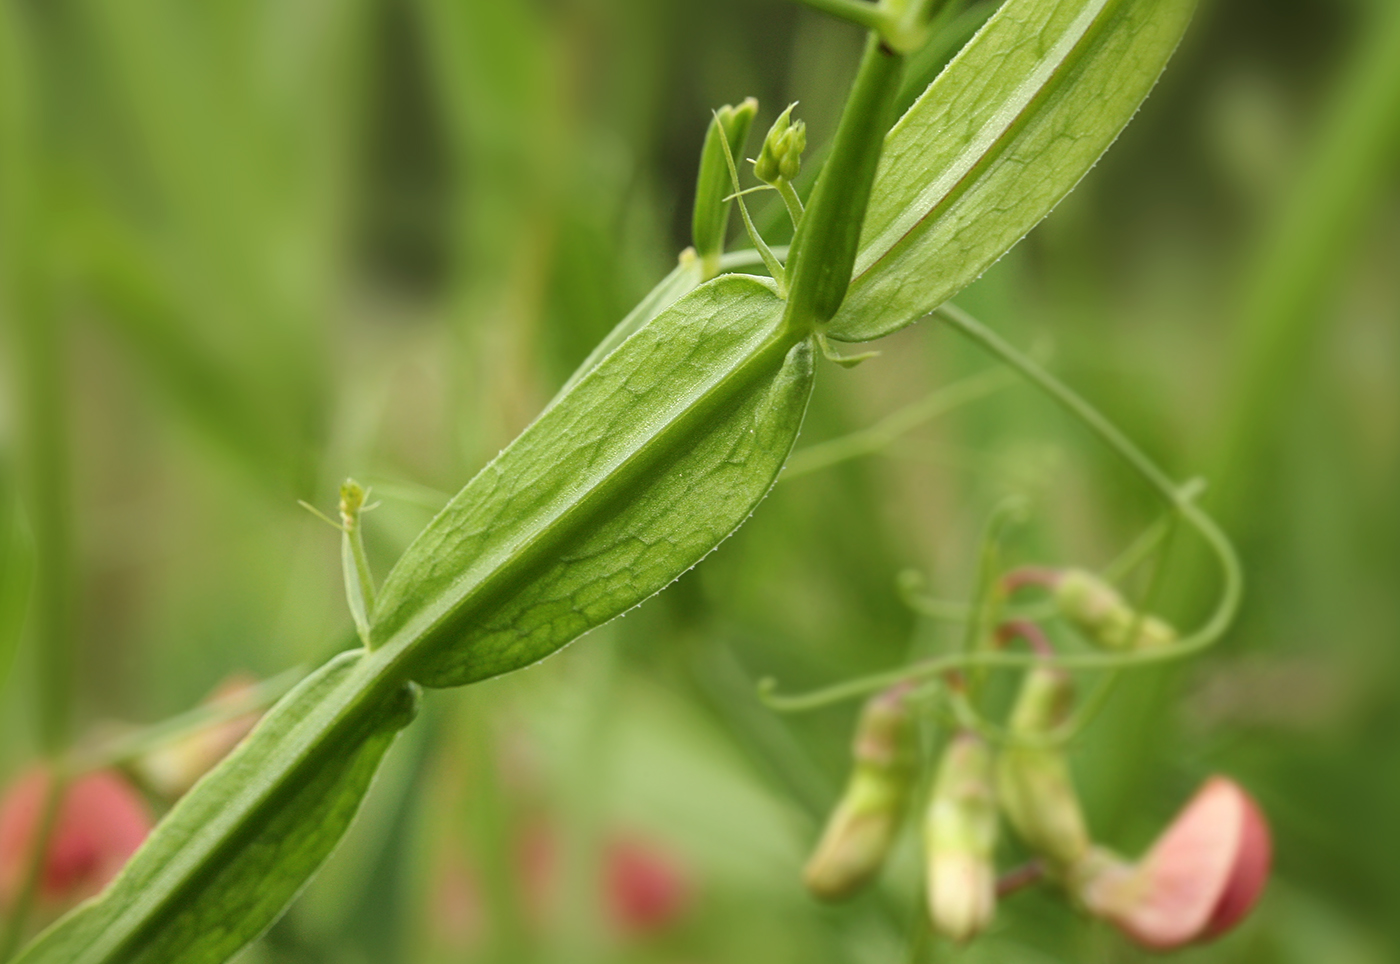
(1198, 880)
(1201, 877)
(780, 158)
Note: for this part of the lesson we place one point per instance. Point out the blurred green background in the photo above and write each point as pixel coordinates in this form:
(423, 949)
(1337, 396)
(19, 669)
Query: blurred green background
(249, 247)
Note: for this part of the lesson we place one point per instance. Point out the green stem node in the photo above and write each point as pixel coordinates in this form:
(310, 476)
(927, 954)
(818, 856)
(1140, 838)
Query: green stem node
(824, 248)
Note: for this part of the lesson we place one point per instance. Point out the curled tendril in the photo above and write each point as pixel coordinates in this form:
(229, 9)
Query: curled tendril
(1181, 498)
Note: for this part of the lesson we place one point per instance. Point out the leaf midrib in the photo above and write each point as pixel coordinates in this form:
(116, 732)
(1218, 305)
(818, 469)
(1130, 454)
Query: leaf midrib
(513, 561)
(376, 675)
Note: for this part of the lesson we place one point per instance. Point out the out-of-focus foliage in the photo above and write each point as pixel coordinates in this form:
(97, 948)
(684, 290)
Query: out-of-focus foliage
(266, 245)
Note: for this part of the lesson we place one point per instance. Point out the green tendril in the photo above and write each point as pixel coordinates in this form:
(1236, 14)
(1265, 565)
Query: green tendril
(770, 260)
(1180, 497)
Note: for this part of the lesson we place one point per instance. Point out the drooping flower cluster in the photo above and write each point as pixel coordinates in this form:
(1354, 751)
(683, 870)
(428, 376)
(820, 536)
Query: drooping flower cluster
(1198, 880)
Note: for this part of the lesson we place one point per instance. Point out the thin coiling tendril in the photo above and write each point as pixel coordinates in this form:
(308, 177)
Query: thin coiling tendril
(1179, 497)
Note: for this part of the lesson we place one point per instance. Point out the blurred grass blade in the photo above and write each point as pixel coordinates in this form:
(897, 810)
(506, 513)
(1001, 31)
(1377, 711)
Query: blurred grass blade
(1305, 249)
(1005, 132)
(661, 452)
(235, 850)
(16, 570)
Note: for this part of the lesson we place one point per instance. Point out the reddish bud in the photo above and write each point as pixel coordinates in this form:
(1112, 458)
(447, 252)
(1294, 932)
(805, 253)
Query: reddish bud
(172, 769)
(644, 888)
(1034, 783)
(960, 834)
(1097, 610)
(863, 827)
(647, 891)
(100, 823)
(1200, 879)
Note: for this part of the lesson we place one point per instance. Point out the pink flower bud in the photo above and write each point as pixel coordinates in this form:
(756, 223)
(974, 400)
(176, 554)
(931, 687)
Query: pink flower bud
(862, 828)
(960, 833)
(1036, 790)
(172, 769)
(100, 823)
(1097, 610)
(1201, 877)
(646, 887)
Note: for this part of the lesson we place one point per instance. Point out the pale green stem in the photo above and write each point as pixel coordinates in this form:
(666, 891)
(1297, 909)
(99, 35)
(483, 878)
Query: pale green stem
(871, 440)
(987, 592)
(794, 203)
(774, 266)
(130, 746)
(355, 536)
(34, 862)
(867, 15)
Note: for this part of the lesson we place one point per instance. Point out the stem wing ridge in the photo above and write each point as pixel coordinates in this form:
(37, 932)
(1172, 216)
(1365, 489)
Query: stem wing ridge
(997, 140)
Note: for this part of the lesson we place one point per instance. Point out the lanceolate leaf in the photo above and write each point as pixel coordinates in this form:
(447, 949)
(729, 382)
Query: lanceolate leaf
(655, 456)
(236, 849)
(1005, 132)
(660, 452)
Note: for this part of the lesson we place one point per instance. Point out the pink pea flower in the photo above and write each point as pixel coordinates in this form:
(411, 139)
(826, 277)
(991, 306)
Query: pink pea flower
(172, 769)
(643, 888)
(646, 888)
(1200, 879)
(99, 825)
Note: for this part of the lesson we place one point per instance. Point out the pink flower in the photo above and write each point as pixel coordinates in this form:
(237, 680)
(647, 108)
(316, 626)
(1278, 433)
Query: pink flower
(172, 769)
(646, 889)
(100, 823)
(641, 888)
(1200, 879)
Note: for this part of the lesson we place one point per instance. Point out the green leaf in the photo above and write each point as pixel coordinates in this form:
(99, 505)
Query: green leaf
(237, 848)
(1005, 132)
(656, 455)
(661, 451)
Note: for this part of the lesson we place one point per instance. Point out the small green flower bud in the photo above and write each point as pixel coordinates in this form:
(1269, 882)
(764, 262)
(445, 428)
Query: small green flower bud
(864, 824)
(352, 500)
(960, 832)
(1096, 609)
(1034, 783)
(780, 159)
(710, 221)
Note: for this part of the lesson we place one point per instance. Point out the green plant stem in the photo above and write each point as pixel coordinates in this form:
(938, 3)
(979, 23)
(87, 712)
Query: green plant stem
(130, 746)
(790, 199)
(871, 440)
(859, 12)
(824, 245)
(986, 595)
(34, 862)
(1061, 394)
